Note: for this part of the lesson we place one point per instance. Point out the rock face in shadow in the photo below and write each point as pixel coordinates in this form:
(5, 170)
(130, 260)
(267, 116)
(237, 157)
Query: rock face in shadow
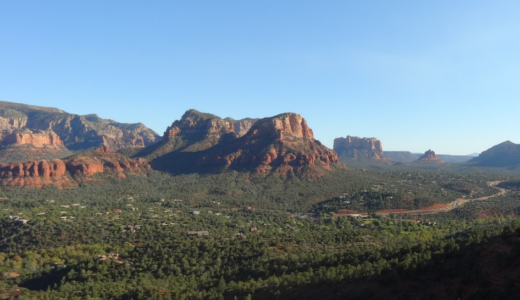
(506, 154)
(354, 148)
(430, 157)
(66, 173)
(77, 132)
(202, 142)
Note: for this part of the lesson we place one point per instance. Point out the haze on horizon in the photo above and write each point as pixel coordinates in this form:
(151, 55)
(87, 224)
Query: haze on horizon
(417, 76)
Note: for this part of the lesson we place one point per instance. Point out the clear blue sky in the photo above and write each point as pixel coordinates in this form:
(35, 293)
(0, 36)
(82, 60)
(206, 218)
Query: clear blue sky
(415, 74)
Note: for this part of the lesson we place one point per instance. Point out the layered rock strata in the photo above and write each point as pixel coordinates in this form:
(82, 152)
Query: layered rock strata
(359, 149)
(284, 143)
(64, 173)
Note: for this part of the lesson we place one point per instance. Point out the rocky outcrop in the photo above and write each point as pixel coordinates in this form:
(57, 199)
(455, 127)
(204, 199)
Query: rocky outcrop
(241, 127)
(354, 148)
(195, 125)
(36, 138)
(35, 174)
(430, 157)
(359, 143)
(76, 131)
(21, 145)
(282, 144)
(65, 173)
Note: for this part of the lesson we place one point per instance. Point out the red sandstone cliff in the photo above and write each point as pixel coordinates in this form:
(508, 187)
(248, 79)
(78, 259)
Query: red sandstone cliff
(354, 148)
(36, 138)
(283, 143)
(39, 174)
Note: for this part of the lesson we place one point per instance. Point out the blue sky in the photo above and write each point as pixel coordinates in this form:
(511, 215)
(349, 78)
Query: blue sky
(415, 74)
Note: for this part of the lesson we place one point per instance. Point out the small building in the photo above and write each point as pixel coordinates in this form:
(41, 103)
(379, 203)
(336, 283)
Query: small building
(116, 211)
(194, 212)
(134, 208)
(197, 233)
(65, 206)
(22, 221)
(253, 229)
(76, 204)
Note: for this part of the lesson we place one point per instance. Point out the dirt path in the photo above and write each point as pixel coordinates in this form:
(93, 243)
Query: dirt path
(455, 204)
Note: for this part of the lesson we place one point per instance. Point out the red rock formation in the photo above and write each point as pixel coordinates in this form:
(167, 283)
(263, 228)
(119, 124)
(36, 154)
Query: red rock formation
(360, 143)
(197, 124)
(36, 138)
(288, 123)
(39, 174)
(283, 144)
(430, 157)
(354, 148)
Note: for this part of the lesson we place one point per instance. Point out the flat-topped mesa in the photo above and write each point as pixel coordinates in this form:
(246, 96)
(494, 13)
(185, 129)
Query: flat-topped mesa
(430, 157)
(287, 123)
(353, 148)
(36, 138)
(198, 124)
(360, 143)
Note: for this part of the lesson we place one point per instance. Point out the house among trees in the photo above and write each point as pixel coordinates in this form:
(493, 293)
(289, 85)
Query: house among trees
(197, 233)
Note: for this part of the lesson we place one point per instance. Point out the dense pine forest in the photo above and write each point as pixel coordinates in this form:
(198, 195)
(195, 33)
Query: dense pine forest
(237, 236)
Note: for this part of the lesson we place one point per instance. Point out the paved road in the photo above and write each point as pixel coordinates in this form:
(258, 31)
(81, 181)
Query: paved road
(456, 203)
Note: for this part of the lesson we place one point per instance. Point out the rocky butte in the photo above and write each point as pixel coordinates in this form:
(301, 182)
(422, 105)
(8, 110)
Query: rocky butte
(201, 142)
(430, 157)
(354, 148)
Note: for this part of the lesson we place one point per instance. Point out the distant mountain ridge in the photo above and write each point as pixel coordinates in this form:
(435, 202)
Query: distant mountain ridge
(401, 156)
(77, 132)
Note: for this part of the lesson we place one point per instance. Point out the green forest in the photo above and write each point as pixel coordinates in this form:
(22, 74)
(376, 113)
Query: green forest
(237, 236)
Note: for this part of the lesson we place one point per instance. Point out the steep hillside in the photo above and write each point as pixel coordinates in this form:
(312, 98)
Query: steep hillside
(77, 132)
(358, 149)
(506, 154)
(202, 142)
